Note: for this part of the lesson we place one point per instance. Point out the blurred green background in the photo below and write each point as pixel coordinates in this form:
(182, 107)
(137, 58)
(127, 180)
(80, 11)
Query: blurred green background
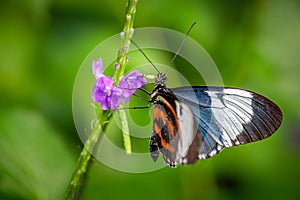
(255, 44)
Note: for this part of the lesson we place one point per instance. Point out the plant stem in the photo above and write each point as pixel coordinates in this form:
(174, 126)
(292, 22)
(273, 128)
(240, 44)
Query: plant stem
(74, 188)
(126, 39)
(125, 130)
(84, 161)
(126, 36)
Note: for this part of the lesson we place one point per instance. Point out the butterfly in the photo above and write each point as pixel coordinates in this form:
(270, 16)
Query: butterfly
(194, 123)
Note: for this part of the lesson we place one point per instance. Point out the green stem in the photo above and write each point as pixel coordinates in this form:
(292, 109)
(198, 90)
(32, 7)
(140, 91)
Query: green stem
(77, 182)
(126, 36)
(125, 130)
(83, 162)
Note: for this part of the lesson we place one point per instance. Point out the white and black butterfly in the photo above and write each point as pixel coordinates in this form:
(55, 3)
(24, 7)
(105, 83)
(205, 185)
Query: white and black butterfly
(192, 123)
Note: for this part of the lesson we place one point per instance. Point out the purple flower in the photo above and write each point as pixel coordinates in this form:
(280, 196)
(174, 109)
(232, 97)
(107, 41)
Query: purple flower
(132, 81)
(106, 93)
(97, 68)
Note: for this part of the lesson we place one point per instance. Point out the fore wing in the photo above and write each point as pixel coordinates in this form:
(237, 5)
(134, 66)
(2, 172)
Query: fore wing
(228, 117)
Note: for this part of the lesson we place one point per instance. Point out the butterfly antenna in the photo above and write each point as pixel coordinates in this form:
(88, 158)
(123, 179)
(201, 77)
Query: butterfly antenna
(183, 41)
(135, 44)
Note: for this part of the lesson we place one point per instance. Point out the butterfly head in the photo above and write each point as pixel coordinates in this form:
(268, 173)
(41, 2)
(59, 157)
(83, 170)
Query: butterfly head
(161, 79)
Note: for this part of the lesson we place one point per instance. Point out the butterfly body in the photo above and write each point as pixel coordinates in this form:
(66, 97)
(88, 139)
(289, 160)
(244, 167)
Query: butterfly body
(192, 123)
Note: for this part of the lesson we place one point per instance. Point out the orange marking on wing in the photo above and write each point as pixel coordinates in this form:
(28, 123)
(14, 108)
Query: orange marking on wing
(175, 116)
(159, 114)
(163, 141)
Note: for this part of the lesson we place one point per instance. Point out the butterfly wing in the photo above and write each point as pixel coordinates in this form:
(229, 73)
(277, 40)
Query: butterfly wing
(227, 117)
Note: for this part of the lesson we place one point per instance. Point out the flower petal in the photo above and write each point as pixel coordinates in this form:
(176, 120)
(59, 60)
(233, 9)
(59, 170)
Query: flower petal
(104, 105)
(135, 79)
(98, 95)
(97, 68)
(115, 99)
(102, 91)
(107, 81)
(130, 83)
